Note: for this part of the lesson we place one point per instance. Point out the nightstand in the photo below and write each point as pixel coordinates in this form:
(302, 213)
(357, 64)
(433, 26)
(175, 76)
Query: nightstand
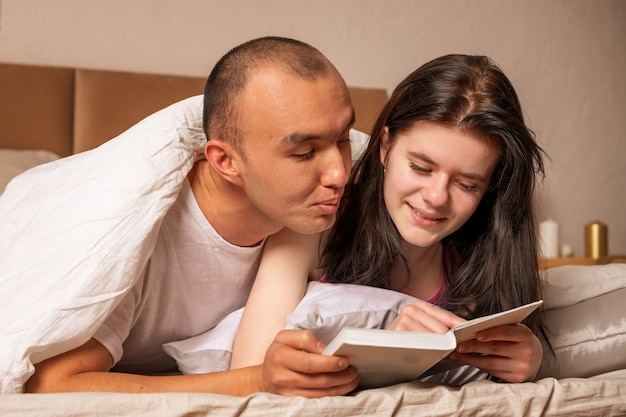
(545, 263)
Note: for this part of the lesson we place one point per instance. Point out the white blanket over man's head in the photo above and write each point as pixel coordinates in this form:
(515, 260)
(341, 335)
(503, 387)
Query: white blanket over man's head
(76, 233)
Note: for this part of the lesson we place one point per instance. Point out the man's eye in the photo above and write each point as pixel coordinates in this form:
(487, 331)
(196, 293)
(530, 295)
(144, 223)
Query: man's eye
(305, 156)
(343, 142)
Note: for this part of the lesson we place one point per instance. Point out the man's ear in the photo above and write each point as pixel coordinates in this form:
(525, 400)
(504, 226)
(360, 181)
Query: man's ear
(224, 159)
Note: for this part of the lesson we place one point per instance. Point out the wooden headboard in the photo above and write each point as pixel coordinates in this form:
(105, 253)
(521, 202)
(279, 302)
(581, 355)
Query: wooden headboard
(70, 110)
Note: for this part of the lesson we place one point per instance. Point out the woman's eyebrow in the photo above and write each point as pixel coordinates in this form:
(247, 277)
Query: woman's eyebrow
(474, 176)
(423, 157)
(470, 175)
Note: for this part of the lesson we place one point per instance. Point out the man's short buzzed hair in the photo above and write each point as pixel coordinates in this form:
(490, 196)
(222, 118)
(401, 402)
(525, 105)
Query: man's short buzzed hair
(231, 73)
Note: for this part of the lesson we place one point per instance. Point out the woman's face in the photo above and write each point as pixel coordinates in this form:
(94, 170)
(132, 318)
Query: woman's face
(435, 178)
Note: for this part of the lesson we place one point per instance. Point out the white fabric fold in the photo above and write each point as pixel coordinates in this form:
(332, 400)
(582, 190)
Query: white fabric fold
(76, 233)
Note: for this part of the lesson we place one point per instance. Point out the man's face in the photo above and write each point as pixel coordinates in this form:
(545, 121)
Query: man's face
(294, 135)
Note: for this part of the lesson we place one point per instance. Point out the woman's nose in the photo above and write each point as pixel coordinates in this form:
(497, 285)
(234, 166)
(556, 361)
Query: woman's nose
(435, 192)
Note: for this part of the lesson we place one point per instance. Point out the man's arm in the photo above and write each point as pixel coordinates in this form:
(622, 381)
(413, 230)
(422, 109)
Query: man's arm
(293, 366)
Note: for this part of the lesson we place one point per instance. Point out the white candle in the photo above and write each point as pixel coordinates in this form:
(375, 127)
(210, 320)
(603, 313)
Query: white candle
(567, 250)
(549, 238)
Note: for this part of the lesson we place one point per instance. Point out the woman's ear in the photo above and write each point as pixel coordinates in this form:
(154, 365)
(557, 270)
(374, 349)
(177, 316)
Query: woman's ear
(384, 146)
(224, 159)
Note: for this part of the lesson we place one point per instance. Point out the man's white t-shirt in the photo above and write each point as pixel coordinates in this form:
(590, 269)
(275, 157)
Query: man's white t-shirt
(193, 279)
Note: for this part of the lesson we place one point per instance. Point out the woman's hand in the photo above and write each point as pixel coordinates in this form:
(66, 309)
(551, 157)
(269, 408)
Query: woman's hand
(425, 317)
(512, 353)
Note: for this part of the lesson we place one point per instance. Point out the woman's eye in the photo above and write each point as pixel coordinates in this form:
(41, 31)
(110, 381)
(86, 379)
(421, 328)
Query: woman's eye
(468, 187)
(419, 168)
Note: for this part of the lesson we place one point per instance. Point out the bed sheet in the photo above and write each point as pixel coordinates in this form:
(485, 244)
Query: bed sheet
(603, 395)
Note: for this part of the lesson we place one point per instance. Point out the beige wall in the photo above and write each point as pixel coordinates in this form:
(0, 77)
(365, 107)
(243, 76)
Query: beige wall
(567, 59)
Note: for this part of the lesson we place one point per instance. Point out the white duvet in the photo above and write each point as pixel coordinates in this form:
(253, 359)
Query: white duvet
(76, 233)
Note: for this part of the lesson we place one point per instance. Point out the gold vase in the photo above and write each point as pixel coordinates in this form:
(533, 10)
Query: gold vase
(595, 240)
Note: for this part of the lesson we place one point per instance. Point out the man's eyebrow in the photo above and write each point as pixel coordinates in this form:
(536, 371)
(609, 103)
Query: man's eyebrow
(297, 137)
(470, 175)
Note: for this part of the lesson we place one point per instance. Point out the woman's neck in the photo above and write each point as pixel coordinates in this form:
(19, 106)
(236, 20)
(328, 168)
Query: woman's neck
(423, 277)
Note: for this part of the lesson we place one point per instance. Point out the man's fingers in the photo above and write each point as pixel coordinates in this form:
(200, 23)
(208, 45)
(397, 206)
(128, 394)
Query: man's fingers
(301, 352)
(322, 392)
(294, 366)
(300, 340)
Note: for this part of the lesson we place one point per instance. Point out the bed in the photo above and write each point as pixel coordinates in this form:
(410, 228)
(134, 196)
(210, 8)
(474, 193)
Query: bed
(47, 113)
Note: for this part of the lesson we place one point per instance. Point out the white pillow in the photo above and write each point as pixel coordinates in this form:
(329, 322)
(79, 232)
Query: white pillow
(325, 309)
(567, 285)
(208, 352)
(358, 143)
(13, 162)
(586, 320)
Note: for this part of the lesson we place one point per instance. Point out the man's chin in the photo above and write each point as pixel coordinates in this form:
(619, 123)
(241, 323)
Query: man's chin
(313, 226)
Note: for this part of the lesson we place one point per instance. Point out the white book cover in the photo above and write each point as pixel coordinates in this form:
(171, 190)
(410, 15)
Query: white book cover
(386, 357)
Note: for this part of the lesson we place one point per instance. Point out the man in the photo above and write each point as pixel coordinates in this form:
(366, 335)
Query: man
(277, 115)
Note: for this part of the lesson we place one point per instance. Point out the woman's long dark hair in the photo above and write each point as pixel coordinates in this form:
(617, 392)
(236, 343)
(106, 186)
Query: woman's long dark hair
(491, 261)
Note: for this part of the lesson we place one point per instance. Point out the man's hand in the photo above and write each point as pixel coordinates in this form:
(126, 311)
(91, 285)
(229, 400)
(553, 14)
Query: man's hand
(294, 366)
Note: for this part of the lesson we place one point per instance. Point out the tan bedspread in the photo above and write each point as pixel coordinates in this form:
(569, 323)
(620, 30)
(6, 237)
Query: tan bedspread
(603, 395)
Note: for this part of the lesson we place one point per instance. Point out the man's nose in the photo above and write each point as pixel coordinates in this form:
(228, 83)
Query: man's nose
(336, 169)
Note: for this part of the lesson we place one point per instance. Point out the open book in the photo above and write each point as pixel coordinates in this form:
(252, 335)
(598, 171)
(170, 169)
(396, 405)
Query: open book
(385, 357)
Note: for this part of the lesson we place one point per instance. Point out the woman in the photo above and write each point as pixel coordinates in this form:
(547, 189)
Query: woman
(440, 207)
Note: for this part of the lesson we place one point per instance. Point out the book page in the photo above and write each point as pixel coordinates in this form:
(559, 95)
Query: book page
(468, 330)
